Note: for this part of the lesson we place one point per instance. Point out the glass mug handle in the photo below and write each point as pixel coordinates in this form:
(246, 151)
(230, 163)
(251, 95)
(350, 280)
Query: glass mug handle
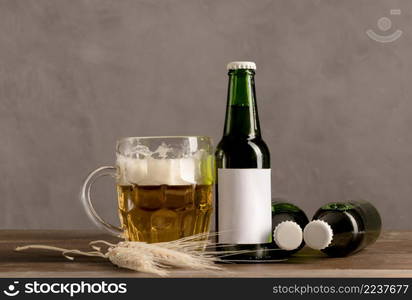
(87, 202)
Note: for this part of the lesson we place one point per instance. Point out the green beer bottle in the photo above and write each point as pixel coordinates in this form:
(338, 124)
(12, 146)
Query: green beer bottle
(243, 190)
(343, 228)
(288, 222)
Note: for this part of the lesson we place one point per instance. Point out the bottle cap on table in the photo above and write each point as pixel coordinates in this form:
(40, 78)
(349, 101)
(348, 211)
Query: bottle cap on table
(287, 235)
(318, 234)
(236, 65)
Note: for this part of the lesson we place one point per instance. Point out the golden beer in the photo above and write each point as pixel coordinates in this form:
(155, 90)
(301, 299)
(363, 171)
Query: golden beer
(160, 213)
(164, 186)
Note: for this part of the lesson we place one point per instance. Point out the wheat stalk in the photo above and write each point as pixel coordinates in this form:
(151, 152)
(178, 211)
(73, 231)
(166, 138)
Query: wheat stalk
(191, 252)
(149, 258)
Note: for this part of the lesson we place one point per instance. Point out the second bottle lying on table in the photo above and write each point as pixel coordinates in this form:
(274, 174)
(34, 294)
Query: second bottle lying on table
(343, 228)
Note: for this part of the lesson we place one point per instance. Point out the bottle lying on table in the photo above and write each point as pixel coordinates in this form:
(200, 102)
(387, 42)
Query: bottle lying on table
(288, 222)
(343, 228)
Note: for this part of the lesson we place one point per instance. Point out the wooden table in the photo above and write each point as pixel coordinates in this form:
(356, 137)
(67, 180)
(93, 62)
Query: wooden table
(390, 256)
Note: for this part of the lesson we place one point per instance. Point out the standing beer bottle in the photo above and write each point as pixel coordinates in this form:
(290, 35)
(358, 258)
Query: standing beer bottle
(243, 190)
(343, 228)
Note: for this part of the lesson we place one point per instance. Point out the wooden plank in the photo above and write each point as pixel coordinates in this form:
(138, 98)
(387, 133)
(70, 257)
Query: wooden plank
(390, 256)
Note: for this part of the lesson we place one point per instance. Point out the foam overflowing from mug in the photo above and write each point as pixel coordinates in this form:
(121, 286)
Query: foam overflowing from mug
(142, 167)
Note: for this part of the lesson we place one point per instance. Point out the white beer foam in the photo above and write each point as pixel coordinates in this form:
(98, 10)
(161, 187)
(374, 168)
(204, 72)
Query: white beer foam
(131, 170)
(152, 171)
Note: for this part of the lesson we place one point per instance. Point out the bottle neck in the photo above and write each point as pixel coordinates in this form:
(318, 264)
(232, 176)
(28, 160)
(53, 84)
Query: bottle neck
(241, 113)
(344, 226)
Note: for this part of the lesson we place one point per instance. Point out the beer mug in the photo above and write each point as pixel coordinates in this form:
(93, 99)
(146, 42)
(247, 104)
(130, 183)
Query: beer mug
(164, 188)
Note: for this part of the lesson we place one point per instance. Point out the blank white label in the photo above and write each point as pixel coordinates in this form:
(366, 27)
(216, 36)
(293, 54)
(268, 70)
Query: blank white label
(244, 207)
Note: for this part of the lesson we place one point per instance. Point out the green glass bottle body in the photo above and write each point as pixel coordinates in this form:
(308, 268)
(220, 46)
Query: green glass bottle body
(283, 211)
(355, 225)
(242, 149)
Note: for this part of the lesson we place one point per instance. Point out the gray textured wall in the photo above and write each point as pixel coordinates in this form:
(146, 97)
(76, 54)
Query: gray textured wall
(335, 106)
